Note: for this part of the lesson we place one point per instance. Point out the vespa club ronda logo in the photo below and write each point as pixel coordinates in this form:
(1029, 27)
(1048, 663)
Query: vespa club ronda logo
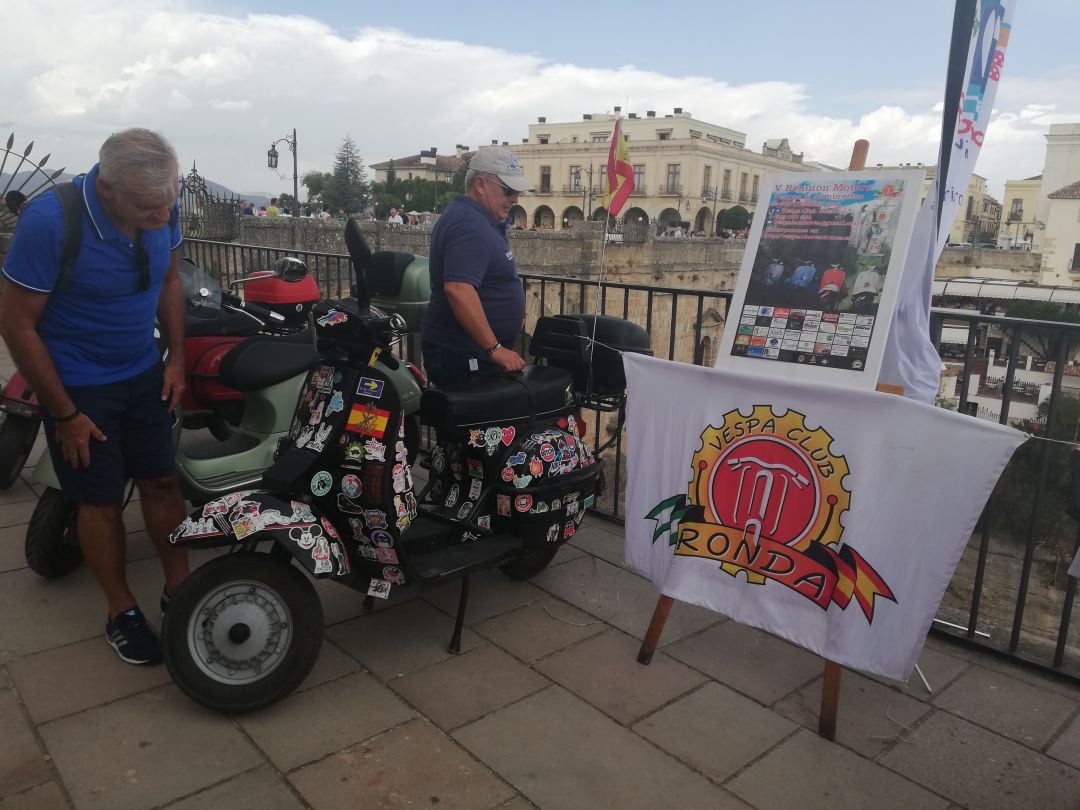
(766, 500)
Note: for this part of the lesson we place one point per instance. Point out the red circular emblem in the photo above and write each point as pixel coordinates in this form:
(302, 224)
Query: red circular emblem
(767, 480)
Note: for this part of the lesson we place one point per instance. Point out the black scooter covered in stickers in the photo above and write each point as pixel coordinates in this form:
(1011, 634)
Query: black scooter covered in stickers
(511, 479)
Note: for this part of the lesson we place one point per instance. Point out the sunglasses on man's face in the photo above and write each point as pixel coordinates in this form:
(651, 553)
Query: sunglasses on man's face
(142, 264)
(506, 190)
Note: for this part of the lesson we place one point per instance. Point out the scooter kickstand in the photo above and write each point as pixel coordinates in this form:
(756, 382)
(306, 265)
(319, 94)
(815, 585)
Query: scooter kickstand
(369, 603)
(455, 641)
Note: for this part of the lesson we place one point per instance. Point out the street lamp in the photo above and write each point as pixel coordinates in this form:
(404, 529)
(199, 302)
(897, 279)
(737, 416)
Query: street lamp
(586, 191)
(272, 163)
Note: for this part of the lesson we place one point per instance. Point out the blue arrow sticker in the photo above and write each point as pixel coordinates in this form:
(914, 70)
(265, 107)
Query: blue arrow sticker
(372, 389)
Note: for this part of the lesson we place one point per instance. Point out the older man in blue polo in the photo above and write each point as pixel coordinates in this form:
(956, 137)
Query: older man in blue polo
(477, 304)
(84, 339)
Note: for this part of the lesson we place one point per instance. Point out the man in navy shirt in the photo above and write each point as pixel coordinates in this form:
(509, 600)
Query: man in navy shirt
(477, 303)
(87, 347)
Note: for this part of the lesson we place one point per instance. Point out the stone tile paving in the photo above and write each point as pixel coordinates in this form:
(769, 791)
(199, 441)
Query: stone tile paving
(546, 707)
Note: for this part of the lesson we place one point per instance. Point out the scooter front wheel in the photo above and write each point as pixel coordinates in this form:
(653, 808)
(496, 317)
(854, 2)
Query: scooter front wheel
(52, 543)
(17, 435)
(242, 632)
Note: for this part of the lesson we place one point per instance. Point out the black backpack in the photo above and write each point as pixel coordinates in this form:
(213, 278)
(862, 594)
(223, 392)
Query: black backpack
(71, 206)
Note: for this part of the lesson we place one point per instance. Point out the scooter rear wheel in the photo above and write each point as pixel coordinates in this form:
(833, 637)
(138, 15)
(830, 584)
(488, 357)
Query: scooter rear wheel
(17, 435)
(52, 543)
(242, 632)
(530, 563)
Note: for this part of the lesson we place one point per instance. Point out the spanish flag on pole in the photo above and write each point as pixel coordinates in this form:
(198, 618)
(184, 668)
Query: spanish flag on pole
(620, 174)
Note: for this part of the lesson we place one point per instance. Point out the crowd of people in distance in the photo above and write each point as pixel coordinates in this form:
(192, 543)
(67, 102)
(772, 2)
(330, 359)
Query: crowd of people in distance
(274, 211)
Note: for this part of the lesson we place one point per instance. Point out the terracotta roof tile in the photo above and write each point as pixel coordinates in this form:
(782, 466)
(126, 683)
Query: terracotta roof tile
(1070, 192)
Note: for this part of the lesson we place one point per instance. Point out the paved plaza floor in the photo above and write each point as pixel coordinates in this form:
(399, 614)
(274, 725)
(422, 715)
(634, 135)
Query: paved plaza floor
(545, 707)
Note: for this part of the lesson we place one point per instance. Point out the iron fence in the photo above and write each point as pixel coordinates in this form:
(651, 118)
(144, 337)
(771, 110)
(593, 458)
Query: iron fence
(1011, 594)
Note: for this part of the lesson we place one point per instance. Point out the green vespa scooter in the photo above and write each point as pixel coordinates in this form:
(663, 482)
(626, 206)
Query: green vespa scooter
(269, 370)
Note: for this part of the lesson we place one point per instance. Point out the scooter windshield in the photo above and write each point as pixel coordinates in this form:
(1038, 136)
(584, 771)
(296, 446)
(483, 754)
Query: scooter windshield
(201, 291)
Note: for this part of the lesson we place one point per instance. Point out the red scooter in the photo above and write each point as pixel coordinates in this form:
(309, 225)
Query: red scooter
(215, 322)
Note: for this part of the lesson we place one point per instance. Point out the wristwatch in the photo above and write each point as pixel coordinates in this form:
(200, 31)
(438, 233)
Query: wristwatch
(493, 348)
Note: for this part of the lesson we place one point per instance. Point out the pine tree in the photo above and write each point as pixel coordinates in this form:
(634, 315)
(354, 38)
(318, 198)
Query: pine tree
(348, 186)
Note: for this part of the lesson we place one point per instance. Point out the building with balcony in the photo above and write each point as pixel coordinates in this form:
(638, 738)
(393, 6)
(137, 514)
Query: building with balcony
(687, 172)
(427, 165)
(1019, 215)
(1047, 209)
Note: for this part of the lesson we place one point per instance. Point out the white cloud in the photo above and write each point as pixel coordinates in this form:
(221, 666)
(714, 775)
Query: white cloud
(222, 88)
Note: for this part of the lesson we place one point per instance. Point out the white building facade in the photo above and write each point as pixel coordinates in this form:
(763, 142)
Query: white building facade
(687, 172)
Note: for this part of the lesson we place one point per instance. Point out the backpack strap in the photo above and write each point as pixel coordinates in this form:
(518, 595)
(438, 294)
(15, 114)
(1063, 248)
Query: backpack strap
(71, 206)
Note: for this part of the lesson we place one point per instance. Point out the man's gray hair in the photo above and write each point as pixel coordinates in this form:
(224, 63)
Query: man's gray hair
(139, 160)
(471, 175)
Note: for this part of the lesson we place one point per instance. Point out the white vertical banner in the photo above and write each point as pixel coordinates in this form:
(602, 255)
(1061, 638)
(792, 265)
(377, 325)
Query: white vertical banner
(910, 358)
(831, 517)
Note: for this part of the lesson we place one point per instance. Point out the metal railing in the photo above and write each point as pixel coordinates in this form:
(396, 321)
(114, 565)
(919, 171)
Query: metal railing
(1010, 594)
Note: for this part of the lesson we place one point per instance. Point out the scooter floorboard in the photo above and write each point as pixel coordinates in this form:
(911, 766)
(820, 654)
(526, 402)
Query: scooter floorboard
(450, 562)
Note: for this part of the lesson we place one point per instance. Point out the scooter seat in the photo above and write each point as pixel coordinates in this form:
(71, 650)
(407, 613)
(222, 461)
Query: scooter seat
(263, 360)
(536, 391)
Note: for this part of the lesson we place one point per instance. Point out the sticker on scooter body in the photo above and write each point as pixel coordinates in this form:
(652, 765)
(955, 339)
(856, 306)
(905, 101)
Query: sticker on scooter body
(379, 588)
(372, 389)
(321, 483)
(332, 318)
(351, 486)
(336, 404)
(367, 421)
(322, 379)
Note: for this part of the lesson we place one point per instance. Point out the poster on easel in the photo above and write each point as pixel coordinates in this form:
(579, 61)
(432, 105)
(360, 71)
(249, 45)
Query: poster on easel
(818, 283)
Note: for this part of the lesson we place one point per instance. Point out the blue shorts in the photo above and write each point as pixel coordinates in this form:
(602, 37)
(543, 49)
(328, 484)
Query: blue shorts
(139, 442)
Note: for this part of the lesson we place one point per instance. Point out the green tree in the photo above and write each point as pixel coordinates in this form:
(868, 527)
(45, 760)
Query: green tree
(348, 186)
(1010, 507)
(735, 219)
(414, 194)
(316, 183)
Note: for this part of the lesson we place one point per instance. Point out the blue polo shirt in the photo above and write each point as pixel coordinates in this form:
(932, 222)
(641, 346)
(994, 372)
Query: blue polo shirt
(100, 329)
(469, 245)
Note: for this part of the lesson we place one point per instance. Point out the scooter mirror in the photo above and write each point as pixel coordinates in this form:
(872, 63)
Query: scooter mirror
(290, 269)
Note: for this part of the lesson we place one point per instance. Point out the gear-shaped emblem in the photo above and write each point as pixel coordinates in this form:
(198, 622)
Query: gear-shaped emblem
(771, 475)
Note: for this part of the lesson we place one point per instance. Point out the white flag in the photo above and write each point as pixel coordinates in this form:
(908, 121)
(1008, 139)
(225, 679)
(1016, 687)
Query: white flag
(833, 518)
(910, 358)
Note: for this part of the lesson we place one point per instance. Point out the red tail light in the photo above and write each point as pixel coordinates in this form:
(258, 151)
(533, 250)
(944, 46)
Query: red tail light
(416, 372)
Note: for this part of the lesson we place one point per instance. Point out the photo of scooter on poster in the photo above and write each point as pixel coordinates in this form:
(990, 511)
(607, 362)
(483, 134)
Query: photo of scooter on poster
(821, 269)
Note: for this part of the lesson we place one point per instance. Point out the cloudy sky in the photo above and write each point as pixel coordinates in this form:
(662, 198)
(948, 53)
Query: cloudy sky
(223, 78)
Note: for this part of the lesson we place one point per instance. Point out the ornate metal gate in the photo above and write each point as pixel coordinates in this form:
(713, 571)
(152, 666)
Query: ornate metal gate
(204, 215)
(21, 177)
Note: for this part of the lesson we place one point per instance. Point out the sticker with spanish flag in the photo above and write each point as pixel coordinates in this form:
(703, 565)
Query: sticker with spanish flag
(367, 421)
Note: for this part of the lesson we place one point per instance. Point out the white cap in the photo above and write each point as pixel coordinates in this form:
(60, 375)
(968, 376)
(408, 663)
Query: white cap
(502, 163)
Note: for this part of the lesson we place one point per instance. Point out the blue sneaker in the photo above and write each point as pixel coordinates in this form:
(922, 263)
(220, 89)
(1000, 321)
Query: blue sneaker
(134, 640)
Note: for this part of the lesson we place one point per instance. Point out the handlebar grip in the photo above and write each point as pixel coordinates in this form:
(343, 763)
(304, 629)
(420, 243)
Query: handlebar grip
(264, 313)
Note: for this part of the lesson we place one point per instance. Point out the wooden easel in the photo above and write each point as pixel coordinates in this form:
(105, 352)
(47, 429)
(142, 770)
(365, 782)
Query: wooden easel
(830, 684)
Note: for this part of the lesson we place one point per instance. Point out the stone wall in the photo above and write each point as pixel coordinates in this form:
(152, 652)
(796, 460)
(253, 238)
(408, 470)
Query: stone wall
(1004, 265)
(708, 264)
